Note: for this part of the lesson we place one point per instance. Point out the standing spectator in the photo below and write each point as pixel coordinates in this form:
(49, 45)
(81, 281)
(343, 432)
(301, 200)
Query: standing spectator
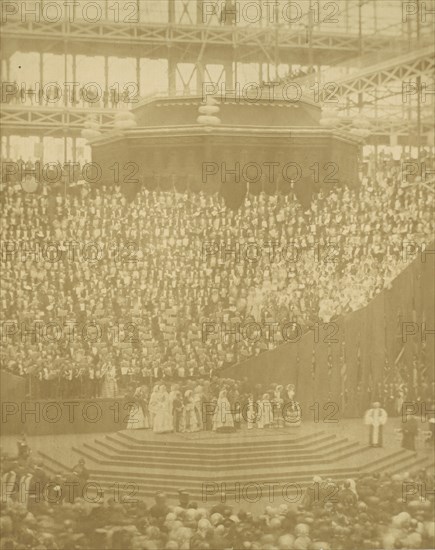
(409, 432)
(376, 418)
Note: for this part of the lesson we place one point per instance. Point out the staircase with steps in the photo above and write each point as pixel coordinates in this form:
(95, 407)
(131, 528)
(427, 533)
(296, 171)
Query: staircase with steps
(140, 464)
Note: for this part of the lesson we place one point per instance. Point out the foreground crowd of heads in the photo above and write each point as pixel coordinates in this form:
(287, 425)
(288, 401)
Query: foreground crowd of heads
(143, 273)
(372, 512)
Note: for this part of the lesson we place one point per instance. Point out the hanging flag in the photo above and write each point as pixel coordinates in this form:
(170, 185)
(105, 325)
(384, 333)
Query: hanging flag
(358, 359)
(330, 366)
(298, 365)
(313, 373)
(370, 389)
(387, 368)
(343, 375)
(313, 364)
(424, 374)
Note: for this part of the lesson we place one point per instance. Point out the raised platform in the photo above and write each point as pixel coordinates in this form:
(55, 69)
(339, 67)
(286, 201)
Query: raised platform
(41, 417)
(229, 147)
(136, 464)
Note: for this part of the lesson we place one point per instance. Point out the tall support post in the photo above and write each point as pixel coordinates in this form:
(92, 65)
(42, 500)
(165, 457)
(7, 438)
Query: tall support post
(171, 11)
(172, 71)
(375, 164)
(106, 73)
(65, 160)
(375, 17)
(138, 75)
(310, 41)
(375, 137)
(65, 72)
(199, 13)
(74, 149)
(229, 80)
(409, 32)
(418, 115)
(409, 121)
(200, 72)
(360, 49)
(276, 52)
(41, 69)
(41, 149)
(4, 68)
(75, 91)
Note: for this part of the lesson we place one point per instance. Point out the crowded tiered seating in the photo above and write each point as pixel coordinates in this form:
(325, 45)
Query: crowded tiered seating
(122, 289)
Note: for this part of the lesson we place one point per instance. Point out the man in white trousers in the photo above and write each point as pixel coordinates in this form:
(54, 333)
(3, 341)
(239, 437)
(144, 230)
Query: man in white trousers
(376, 418)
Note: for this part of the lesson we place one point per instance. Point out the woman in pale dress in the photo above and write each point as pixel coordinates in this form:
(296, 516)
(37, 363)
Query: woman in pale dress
(265, 419)
(223, 420)
(138, 418)
(401, 398)
(153, 405)
(190, 420)
(163, 418)
(109, 388)
(278, 401)
(251, 412)
(291, 410)
(198, 398)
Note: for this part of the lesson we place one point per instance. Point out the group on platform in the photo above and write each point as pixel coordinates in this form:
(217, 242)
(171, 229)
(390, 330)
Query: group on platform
(220, 408)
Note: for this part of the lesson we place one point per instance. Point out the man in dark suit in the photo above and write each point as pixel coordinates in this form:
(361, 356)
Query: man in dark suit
(82, 474)
(160, 509)
(23, 448)
(409, 432)
(184, 500)
(37, 485)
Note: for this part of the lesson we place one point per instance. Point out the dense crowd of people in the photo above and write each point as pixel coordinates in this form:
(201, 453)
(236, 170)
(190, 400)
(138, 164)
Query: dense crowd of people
(96, 288)
(46, 512)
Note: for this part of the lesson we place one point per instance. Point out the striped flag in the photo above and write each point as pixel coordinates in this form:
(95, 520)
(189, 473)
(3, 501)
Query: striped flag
(424, 373)
(329, 372)
(313, 373)
(343, 376)
(298, 365)
(358, 359)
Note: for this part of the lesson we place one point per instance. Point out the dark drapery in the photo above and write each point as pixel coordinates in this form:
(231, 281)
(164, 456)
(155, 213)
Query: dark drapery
(372, 348)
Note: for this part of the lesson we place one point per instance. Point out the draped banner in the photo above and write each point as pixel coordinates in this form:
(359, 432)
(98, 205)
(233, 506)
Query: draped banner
(13, 388)
(373, 349)
(305, 375)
